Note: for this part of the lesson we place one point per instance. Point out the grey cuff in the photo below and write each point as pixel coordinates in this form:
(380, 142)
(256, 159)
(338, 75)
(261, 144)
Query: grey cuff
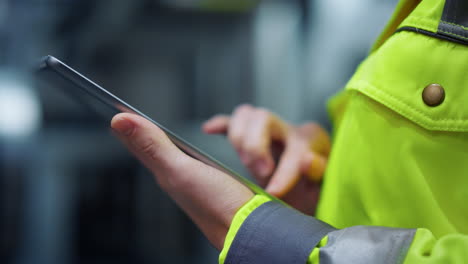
(274, 233)
(367, 244)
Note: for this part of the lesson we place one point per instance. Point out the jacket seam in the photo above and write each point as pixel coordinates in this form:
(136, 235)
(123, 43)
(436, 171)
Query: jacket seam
(453, 34)
(368, 89)
(437, 35)
(420, 22)
(454, 24)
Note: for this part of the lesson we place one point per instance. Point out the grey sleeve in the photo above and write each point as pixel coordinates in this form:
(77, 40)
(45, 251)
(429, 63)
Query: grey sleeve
(274, 233)
(367, 244)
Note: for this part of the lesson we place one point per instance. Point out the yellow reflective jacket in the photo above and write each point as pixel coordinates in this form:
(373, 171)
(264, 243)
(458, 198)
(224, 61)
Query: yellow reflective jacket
(396, 187)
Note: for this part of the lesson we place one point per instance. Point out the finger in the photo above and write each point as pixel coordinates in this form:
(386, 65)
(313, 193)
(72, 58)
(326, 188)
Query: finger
(263, 128)
(175, 169)
(303, 196)
(262, 169)
(313, 166)
(321, 140)
(216, 125)
(209, 196)
(287, 174)
(238, 126)
(147, 141)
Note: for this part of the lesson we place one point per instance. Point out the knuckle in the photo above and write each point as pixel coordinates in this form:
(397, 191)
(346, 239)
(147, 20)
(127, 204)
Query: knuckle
(147, 147)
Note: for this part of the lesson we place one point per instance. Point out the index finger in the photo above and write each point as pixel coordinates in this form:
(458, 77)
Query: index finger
(287, 174)
(217, 125)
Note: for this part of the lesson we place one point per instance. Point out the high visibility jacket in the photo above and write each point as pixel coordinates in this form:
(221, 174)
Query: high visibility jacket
(396, 187)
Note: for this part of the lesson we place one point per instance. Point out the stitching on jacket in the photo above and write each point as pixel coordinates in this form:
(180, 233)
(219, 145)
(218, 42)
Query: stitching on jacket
(454, 24)
(418, 21)
(450, 124)
(453, 34)
(417, 110)
(451, 30)
(446, 120)
(407, 114)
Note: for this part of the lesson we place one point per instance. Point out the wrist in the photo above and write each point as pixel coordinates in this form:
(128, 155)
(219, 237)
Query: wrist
(208, 196)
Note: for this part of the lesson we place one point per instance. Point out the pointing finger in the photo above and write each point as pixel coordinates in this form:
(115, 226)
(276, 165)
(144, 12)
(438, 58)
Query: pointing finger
(287, 174)
(216, 125)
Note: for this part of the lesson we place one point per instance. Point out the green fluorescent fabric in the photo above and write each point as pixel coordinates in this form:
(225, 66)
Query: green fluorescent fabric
(425, 16)
(395, 161)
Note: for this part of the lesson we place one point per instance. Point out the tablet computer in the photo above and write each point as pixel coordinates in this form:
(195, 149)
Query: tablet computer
(53, 72)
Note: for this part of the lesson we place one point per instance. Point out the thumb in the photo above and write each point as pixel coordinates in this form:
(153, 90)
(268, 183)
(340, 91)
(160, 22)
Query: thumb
(147, 141)
(210, 197)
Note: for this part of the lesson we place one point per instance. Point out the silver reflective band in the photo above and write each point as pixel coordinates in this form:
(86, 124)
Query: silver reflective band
(367, 244)
(276, 234)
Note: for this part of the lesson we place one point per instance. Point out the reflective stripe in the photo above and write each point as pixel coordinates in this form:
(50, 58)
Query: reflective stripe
(454, 21)
(274, 233)
(367, 244)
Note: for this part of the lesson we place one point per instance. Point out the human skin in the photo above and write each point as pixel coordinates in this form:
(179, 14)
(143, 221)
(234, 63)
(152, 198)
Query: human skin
(210, 197)
(294, 171)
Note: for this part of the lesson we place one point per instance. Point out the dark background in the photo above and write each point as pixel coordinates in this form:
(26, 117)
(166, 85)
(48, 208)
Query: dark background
(69, 192)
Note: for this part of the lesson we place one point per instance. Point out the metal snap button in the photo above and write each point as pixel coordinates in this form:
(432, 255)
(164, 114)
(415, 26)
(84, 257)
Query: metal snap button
(433, 94)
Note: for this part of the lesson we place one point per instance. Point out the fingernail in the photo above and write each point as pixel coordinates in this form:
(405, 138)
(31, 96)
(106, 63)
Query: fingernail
(123, 127)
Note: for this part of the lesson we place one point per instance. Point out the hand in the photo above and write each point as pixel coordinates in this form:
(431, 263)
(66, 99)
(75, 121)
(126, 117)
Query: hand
(293, 173)
(209, 196)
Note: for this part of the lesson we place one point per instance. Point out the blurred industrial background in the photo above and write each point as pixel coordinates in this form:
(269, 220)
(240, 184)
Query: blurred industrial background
(69, 193)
